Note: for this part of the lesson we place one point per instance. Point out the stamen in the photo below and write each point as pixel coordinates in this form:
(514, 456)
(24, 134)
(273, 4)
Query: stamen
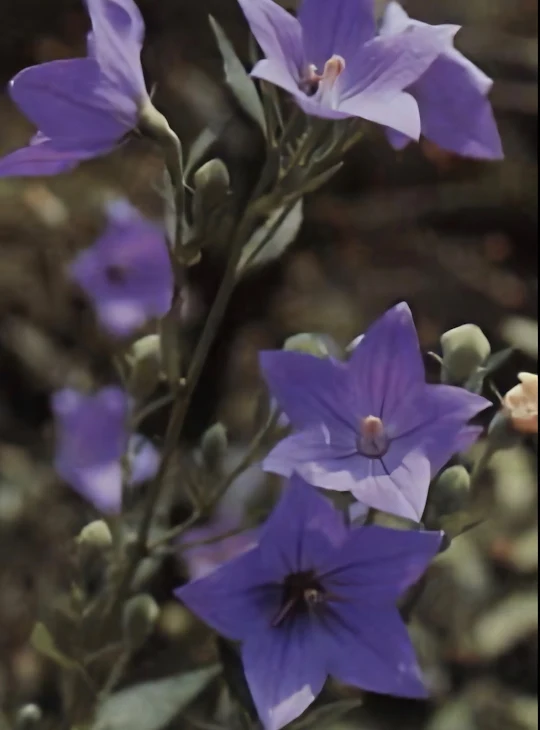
(372, 439)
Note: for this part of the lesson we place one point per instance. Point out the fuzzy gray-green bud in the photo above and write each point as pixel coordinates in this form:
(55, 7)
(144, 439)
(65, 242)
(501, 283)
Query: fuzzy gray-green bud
(448, 494)
(28, 717)
(310, 343)
(464, 350)
(214, 445)
(211, 183)
(501, 433)
(95, 536)
(145, 359)
(139, 619)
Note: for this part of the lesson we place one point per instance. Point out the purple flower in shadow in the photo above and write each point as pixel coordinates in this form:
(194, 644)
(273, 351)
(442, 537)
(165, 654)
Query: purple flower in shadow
(127, 273)
(371, 425)
(335, 66)
(315, 599)
(92, 438)
(452, 96)
(82, 107)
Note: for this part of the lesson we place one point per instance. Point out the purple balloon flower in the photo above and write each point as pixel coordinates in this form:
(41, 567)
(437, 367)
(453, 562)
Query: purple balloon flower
(452, 96)
(82, 107)
(371, 425)
(92, 438)
(127, 273)
(316, 599)
(332, 62)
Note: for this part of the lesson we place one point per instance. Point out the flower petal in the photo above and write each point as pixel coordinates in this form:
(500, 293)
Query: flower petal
(400, 112)
(378, 657)
(311, 390)
(301, 531)
(454, 109)
(277, 32)
(65, 99)
(312, 444)
(284, 671)
(44, 159)
(116, 41)
(397, 484)
(390, 64)
(237, 599)
(387, 364)
(335, 27)
(376, 565)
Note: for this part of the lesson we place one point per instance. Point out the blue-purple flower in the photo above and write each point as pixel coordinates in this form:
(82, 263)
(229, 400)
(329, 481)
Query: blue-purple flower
(452, 96)
(127, 273)
(334, 64)
(92, 439)
(315, 599)
(82, 107)
(371, 425)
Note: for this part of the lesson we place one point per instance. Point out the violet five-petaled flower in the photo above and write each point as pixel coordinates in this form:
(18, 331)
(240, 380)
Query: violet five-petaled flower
(452, 97)
(315, 599)
(336, 65)
(91, 440)
(82, 107)
(371, 425)
(127, 272)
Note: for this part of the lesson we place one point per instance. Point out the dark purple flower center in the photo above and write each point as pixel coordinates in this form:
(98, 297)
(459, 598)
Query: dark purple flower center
(302, 592)
(313, 81)
(115, 274)
(372, 440)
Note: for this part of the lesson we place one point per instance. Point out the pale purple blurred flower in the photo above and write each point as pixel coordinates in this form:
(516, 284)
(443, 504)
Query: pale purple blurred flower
(452, 96)
(82, 107)
(127, 273)
(332, 62)
(371, 425)
(91, 440)
(315, 598)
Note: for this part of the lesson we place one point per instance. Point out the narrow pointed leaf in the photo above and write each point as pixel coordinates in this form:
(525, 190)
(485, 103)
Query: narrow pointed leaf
(238, 79)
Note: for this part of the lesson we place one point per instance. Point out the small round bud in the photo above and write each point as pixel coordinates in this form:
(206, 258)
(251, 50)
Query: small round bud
(96, 535)
(448, 494)
(145, 358)
(464, 349)
(501, 432)
(309, 343)
(213, 173)
(28, 717)
(139, 619)
(214, 445)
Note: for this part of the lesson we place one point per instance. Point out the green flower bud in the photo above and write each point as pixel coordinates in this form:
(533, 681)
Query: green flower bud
(28, 717)
(214, 445)
(310, 343)
(95, 536)
(145, 359)
(501, 433)
(139, 619)
(464, 349)
(212, 184)
(448, 494)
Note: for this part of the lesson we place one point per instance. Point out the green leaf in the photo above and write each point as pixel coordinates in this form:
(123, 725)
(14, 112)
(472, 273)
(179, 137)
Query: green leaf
(198, 150)
(238, 79)
(152, 705)
(271, 240)
(43, 642)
